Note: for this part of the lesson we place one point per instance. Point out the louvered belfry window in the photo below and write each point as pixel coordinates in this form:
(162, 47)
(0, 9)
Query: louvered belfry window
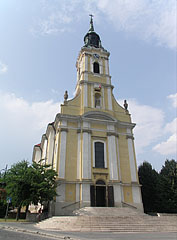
(99, 155)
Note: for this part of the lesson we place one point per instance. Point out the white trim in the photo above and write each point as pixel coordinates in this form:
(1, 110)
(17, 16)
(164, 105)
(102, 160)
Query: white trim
(86, 192)
(78, 156)
(62, 155)
(107, 80)
(101, 66)
(85, 95)
(86, 63)
(92, 96)
(103, 100)
(109, 99)
(117, 194)
(50, 146)
(86, 156)
(136, 194)
(77, 192)
(85, 76)
(106, 66)
(118, 159)
(105, 157)
(61, 193)
(131, 158)
(112, 158)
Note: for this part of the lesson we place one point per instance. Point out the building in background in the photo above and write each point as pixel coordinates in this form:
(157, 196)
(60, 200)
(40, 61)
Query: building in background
(90, 144)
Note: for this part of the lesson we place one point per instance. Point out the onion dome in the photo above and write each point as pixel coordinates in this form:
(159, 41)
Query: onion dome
(92, 39)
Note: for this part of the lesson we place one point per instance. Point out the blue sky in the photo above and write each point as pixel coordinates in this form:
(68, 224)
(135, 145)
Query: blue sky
(39, 44)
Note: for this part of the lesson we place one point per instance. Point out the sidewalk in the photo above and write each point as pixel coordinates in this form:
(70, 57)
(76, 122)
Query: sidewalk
(28, 227)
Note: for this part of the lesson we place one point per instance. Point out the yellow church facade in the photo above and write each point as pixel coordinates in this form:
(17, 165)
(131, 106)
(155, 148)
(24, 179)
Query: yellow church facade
(90, 144)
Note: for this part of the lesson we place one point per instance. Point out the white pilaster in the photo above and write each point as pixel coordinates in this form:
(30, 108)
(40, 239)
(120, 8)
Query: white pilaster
(86, 156)
(106, 67)
(86, 63)
(62, 155)
(112, 158)
(132, 160)
(78, 156)
(50, 149)
(77, 192)
(109, 98)
(118, 159)
(85, 95)
(136, 194)
(103, 99)
(92, 96)
(61, 193)
(101, 66)
(117, 194)
(85, 192)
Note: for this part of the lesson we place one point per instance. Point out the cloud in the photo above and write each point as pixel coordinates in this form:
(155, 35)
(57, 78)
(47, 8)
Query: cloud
(22, 125)
(149, 20)
(149, 122)
(3, 68)
(173, 98)
(169, 146)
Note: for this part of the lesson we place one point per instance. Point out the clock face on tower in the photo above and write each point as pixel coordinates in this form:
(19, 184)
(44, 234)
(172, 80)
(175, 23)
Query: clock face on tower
(96, 56)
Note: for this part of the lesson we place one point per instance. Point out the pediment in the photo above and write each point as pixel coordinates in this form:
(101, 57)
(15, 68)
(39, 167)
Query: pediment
(98, 116)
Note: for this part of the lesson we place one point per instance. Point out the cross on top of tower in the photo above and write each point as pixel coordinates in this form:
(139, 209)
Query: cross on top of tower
(91, 23)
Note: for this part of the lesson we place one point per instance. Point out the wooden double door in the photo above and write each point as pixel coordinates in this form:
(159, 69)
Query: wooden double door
(101, 195)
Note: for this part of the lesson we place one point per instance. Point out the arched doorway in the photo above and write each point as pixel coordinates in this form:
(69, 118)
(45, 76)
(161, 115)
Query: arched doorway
(100, 194)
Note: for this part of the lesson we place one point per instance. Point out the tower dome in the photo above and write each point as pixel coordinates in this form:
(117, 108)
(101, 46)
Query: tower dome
(92, 39)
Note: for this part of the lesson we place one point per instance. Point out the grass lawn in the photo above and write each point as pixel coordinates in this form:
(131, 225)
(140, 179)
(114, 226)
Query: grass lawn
(12, 220)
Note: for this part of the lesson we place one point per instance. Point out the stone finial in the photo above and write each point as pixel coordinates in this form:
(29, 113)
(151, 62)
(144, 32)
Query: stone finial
(66, 96)
(126, 105)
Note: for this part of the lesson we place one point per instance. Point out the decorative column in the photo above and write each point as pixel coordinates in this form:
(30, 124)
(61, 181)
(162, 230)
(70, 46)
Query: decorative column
(109, 98)
(62, 153)
(112, 156)
(78, 154)
(132, 158)
(86, 154)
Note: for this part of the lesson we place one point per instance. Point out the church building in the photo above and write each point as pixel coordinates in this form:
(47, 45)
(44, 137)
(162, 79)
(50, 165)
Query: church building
(90, 144)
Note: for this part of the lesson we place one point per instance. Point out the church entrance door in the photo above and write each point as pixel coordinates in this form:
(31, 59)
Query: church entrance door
(100, 196)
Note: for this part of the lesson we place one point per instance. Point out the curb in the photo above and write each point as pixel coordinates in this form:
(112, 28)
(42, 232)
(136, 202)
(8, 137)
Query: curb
(36, 233)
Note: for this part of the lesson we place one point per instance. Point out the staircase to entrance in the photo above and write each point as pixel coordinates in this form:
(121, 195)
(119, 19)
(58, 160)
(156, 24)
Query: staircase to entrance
(104, 219)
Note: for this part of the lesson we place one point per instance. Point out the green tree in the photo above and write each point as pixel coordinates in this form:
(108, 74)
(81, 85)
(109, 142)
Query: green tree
(167, 187)
(27, 184)
(148, 178)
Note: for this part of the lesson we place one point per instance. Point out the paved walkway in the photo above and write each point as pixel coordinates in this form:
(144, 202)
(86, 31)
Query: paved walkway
(30, 228)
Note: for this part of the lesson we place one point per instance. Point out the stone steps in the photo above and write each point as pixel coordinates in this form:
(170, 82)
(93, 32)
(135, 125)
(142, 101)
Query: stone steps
(111, 220)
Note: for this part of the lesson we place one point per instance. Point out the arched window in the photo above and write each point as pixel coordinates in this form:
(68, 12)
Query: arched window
(96, 67)
(97, 100)
(99, 155)
(100, 182)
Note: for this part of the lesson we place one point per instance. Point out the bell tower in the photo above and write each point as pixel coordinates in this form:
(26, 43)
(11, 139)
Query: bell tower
(91, 144)
(93, 77)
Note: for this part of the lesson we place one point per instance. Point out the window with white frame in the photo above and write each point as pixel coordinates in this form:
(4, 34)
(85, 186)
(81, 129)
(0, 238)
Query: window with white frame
(99, 154)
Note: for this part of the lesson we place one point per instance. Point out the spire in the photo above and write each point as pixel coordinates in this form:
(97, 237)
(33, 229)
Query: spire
(92, 39)
(91, 23)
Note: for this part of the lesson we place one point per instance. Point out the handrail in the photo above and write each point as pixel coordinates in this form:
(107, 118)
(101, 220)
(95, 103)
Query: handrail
(71, 204)
(129, 205)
